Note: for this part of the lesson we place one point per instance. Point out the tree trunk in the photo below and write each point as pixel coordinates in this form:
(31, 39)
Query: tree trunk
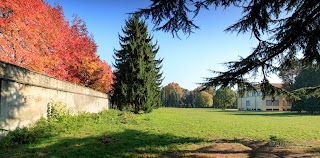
(136, 108)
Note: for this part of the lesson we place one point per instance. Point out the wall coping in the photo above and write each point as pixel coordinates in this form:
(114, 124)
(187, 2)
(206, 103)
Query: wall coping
(14, 73)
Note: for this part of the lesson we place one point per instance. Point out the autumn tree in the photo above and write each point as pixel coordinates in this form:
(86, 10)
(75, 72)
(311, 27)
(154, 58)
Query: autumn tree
(283, 28)
(137, 75)
(79, 62)
(224, 97)
(171, 95)
(29, 30)
(37, 36)
(204, 99)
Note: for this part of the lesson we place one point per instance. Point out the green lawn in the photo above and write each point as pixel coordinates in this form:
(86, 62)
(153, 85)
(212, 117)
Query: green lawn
(118, 134)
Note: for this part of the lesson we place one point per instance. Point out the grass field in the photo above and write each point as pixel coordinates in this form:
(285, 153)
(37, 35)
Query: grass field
(165, 130)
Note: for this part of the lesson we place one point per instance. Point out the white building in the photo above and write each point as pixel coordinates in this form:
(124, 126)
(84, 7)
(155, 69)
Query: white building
(254, 101)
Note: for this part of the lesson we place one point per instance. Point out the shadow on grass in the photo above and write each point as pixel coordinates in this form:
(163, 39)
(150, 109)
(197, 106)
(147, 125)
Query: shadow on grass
(262, 113)
(271, 114)
(132, 143)
(221, 110)
(129, 143)
(314, 150)
(243, 148)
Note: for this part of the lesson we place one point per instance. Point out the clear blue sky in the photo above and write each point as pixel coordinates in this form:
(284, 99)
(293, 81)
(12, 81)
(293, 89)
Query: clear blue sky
(187, 60)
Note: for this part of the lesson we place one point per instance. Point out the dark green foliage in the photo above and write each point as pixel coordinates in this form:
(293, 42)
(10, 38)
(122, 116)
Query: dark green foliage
(288, 74)
(308, 77)
(283, 28)
(190, 99)
(17, 137)
(137, 75)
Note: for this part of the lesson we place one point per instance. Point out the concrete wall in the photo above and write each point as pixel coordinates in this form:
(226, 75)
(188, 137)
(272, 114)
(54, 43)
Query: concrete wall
(26, 95)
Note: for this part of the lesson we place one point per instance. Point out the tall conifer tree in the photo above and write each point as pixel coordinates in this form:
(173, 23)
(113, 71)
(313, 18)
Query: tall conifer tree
(137, 75)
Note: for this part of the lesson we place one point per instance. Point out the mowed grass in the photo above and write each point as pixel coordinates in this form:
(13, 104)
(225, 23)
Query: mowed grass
(228, 124)
(165, 130)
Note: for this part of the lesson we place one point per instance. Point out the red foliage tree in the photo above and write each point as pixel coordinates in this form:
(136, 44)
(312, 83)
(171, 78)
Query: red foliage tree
(36, 36)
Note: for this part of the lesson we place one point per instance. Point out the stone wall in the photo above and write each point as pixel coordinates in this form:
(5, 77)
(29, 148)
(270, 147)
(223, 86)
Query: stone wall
(26, 95)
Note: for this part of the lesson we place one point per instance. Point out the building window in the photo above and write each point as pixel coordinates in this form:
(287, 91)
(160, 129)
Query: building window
(247, 103)
(272, 103)
(259, 93)
(253, 94)
(269, 102)
(247, 94)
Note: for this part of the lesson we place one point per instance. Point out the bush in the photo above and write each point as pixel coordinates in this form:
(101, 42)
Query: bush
(61, 122)
(18, 136)
(56, 110)
(42, 128)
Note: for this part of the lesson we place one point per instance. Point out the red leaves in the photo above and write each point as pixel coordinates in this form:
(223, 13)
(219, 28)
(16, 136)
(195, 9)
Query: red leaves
(36, 36)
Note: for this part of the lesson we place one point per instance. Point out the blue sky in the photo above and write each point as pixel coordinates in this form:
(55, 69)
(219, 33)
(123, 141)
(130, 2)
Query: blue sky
(187, 60)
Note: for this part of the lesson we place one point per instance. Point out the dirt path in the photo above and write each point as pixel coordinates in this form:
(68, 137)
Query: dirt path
(247, 149)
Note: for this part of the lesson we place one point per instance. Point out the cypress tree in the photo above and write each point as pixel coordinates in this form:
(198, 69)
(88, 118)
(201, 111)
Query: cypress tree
(137, 75)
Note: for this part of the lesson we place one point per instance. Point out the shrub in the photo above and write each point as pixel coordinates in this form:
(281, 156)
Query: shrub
(18, 136)
(56, 110)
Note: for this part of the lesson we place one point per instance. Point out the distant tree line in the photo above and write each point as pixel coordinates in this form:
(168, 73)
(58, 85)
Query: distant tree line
(172, 95)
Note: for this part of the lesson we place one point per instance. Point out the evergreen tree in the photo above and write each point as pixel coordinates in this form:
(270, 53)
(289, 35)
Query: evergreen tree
(288, 75)
(137, 75)
(307, 77)
(283, 28)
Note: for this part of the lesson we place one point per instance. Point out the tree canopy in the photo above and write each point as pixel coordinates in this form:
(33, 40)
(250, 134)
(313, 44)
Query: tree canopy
(283, 28)
(37, 36)
(307, 77)
(224, 97)
(204, 99)
(171, 95)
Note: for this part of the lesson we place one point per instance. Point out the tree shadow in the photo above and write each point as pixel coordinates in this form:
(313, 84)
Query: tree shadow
(272, 114)
(129, 143)
(315, 150)
(11, 98)
(134, 143)
(223, 110)
(262, 113)
(244, 148)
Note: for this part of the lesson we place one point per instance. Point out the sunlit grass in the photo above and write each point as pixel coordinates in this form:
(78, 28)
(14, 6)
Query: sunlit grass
(120, 134)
